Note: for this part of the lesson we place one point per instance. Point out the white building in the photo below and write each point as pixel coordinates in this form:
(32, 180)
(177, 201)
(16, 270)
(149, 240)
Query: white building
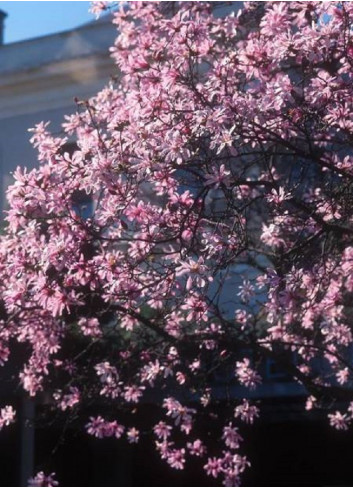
(39, 79)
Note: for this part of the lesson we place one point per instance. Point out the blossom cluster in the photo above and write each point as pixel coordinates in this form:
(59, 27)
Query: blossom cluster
(219, 166)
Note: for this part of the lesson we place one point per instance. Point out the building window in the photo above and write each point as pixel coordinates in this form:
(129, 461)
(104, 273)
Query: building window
(82, 202)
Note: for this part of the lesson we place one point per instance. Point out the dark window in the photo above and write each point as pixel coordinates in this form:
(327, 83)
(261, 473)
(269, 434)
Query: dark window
(82, 202)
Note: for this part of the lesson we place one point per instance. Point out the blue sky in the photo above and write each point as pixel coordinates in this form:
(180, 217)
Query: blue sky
(38, 18)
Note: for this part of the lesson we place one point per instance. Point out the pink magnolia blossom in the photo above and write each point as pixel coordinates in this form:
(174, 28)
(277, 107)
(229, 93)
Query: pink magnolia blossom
(231, 436)
(7, 416)
(339, 421)
(219, 168)
(197, 448)
(42, 480)
(133, 435)
(246, 375)
(162, 430)
(246, 412)
(68, 400)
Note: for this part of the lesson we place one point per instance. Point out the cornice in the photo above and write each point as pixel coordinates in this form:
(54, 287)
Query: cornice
(53, 85)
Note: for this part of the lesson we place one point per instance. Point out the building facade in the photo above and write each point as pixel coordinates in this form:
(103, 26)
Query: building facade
(39, 81)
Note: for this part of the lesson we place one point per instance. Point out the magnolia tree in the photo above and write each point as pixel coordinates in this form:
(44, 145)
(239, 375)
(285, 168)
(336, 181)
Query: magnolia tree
(219, 165)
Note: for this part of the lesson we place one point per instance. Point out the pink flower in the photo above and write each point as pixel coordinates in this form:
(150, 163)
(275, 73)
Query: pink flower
(7, 416)
(97, 427)
(196, 272)
(107, 373)
(310, 403)
(67, 400)
(231, 436)
(90, 327)
(271, 235)
(278, 196)
(176, 459)
(196, 448)
(246, 375)
(196, 309)
(246, 412)
(214, 467)
(182, 415)
(42, 480)
(343, 376)
(162, 430)
(97, 7)
(133, 435)
(100, 428)
(246, 291)
(339, 421)
(133, 393)
(220, 176)
(119, 430)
